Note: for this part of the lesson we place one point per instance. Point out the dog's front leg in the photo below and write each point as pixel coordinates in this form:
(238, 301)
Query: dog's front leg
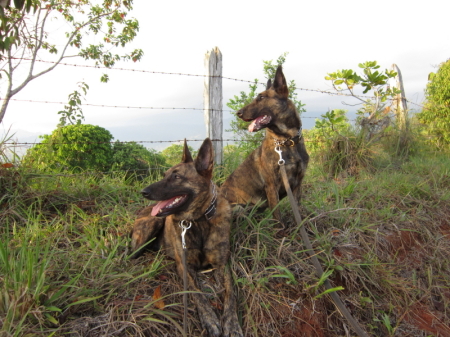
(230, 321)
(208, 317)
(145, 228)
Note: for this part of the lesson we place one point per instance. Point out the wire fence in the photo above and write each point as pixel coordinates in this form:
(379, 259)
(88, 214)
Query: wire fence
(191, 75)
(16, 144)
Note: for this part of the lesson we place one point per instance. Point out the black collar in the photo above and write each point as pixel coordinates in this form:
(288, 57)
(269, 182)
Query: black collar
(211, 210)
(289, 141)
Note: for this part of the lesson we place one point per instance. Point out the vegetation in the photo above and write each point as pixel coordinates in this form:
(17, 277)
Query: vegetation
(85, 147)
(25, 37)
(346, 148)
(436, 114)
(383, 236)
(73, 147)
(379, 223)
(374, 114)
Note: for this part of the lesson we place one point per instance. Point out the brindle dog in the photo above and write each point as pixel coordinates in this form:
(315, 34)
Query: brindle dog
(189, 197)
(258, 178)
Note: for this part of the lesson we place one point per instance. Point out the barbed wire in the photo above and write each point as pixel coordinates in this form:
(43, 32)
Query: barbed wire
(135, 107)
(198, 75)
(133, 142)
(88, 173)
(132, 70)
(148, 107)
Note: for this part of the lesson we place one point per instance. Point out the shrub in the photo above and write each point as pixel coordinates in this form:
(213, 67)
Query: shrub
(76, 147)
(436, 114)
(137, 159)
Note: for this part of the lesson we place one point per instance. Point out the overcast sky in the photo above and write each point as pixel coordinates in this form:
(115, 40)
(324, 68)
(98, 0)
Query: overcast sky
(320, 37)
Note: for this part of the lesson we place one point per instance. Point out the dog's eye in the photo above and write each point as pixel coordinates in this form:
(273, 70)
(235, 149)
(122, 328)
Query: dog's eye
(260, 97)
(177, 176)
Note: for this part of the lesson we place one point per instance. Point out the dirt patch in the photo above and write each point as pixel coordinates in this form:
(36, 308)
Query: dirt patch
(407, 247)
(427, 320)
(306, 320)
(445, 230)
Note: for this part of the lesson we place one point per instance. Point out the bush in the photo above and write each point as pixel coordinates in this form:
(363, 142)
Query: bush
(135, 158)
(436, 114)
(340, 147)
(75, 147)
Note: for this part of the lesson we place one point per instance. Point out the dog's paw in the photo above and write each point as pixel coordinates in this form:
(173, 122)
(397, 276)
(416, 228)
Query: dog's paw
(231, 327)
(209, 321)
(214, 330)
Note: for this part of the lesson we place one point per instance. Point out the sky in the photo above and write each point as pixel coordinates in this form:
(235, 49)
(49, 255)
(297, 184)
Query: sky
(320, 37)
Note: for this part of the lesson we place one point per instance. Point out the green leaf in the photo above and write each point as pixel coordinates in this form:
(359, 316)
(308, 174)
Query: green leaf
(51, 319)
(331, 290)
(53, 308)
(84, 300)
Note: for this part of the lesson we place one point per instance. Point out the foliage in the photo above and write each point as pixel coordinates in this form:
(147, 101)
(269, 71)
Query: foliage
(72, 112)
(25, 35)
(436, 113)
(134, 157)
(374, 113)
(338, 145)
(65, 266)
(173, 154)
(77, 147)
(248, 141)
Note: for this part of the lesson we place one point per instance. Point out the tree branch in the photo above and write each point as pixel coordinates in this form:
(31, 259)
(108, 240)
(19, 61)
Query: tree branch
(30, 76)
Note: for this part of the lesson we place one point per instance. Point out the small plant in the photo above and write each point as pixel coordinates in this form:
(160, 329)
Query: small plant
(73, 113)
(374, 114)
(341, 147)
(387, 323)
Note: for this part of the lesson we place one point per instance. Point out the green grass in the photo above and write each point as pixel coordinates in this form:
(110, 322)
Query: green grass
(382, 236)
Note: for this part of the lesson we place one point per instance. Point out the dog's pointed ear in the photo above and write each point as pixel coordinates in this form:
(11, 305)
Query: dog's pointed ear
(187, 157)
(204, 163)
(269, 84)
(280, 84)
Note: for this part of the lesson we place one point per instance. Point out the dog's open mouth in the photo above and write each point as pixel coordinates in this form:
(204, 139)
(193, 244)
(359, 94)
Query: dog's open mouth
(166, 207)
(258, 123)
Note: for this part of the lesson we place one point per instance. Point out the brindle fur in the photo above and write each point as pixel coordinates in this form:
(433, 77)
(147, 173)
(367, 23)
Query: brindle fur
(258, 178)
(207, 241)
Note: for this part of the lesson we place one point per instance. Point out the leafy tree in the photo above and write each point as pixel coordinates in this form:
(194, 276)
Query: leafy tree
(436, 113)
(173, 153)
(374, 114)
(136, 158)
(250, 141)
(24, 37)
(77, 147)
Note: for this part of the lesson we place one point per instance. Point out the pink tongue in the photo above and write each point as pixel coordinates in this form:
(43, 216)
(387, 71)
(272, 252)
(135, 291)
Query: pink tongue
(161, 205)
(251, 127)
(254, 125)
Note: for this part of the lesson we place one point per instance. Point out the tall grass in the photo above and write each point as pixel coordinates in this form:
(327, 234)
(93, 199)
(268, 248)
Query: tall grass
(383, 237)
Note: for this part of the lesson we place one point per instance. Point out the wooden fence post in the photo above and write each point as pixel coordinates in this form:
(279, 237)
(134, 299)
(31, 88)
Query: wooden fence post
(212, 102)
(400, 105)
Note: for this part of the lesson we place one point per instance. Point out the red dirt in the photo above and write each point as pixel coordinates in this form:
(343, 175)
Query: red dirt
(427, 320)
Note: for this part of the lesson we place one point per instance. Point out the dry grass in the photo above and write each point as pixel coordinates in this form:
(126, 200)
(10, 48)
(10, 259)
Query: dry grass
(384, 236)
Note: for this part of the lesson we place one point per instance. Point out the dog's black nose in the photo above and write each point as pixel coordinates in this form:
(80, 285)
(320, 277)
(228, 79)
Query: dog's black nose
(239, 114)
(144, 193)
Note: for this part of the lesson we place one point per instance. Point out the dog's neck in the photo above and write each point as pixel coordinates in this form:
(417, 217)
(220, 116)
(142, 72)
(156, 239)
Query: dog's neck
(208, 214)
(289, 139)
